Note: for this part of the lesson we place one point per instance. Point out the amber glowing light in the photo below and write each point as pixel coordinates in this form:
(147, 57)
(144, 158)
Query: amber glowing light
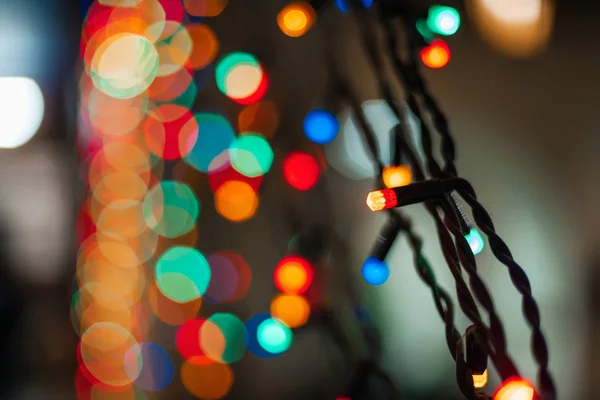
(396, 176)
(479, 381)
(296, 19)
(436, 55)
(515, 389)
(382, 200)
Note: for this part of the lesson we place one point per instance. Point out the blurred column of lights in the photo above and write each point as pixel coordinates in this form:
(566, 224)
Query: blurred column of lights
(518, 28)
(143, 68)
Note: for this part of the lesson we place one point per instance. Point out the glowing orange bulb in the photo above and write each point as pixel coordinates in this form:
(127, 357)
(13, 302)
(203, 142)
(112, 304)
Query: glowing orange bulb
(436, 55)
(397, 176)
(515, 389)
(293, 275)
(296, 19)
(290, 309)
(479, 381)
(382, 200)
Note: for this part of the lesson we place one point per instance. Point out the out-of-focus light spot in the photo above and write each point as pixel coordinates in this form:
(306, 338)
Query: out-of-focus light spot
(211, 381)
(111, 117)
(436, 55)
(290, 309)
(515, 11)
(171, 209)
(187, 341)
(21, 111)
(424, 30)
(169, 88)
(293, 275)
(443, 20)
(171, 312)
(103, 350)
(396, 176)
(296, 19)
(215, 135)
(241, 78)
(274, 336)
(251, 155)
(170, 131)
(205, 8)
(375, 272)
(230, 278)
(174, 50)
(124, 65)
(236, 201)
(223, 338)
(119, 3)
(206, 46)
(182, 274)
(516, 28)
(515, 389)
(475, 240)
(321, 126)
(344, 5)
(220, 171)
(260, 117)
(157, 368)
(479, 381)
(301, 170)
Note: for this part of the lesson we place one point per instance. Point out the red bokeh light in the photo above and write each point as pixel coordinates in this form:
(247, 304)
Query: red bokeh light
(293, 275)
(187, 341)
(301, 170)
(436, 55)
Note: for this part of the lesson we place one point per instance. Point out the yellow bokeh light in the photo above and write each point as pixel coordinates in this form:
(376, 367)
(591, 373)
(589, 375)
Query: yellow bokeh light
(243, 80)
(291, 310)
(479, 381)
(293, 276)
(236, 201)
(516, 389)
(397, 176)
(296, 19)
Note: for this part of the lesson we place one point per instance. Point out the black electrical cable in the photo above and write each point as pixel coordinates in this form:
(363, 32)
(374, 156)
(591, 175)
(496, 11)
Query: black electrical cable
(409, 74)
(504, 365)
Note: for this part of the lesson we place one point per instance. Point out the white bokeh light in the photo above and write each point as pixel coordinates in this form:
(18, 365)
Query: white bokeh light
(515, 11)
(21, 111)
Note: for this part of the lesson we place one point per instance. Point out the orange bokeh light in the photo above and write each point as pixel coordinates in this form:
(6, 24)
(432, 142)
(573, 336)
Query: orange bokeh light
(296, 19)
(236, 201)
(515, 389)
(290, 309)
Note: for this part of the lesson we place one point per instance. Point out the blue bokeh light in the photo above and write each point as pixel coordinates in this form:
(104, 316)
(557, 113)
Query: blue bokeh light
(157, 369)
(344, 5)
(375, 272)
(321, 126)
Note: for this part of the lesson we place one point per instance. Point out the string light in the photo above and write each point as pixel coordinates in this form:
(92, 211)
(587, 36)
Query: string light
(515, 389)
(396, 176)
(375, 271)
(475, 240)
(443, 20)
(480, 380)
(436, 55)
(296, 19)
(382, 200)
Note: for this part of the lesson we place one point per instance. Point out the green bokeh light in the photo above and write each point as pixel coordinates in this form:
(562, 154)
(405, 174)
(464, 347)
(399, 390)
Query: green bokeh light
(274, 336)
(475, 240)
(227, 63)
(171, 209)
(182, 274)
(235, 335)
(251, 155)
(443, 20)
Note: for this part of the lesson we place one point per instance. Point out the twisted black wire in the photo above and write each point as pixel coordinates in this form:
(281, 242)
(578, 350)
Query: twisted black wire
(520, 281)
(498, 246)
(450, 208)
(465, 380)
(501, 360)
